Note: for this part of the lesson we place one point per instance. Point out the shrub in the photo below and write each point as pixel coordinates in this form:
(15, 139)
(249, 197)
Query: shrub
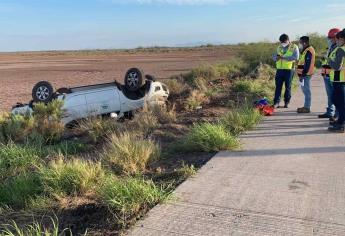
(98, 128)
(243, 86)
(195, 100)
(17, 191)
(164, 115)
(264, 72)
(240, 120)
(232, 68)
(48, 121)
(176, 86)
(253, 89)
(14, 127)
(65, 148)
(144, 123)
(44, 126)
(209, 137)
(186, 171)
(129, 154)
(130, 196)
(35, 229)
(74, 177)
(208, 72)
(255, 54)
(16, 159)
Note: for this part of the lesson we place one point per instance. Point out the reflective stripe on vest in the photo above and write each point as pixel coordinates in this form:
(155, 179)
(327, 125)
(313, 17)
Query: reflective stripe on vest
(326, 69)
(284, 64)
(337, 75)
(301, 61)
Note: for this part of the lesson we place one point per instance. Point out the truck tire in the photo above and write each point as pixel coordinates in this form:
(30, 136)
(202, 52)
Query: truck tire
(42, 92)
(133, 79)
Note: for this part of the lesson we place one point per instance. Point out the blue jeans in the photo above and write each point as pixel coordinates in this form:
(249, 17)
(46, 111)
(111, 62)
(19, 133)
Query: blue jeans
(329, 91)
(283, 77)
(306, 91)
(339, 100)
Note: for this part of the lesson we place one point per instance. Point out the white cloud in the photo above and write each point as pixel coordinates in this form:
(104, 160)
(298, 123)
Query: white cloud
(332, 7)
(176, 2)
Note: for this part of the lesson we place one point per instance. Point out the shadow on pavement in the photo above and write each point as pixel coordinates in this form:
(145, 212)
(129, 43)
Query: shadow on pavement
(283, 134)
(277, 152)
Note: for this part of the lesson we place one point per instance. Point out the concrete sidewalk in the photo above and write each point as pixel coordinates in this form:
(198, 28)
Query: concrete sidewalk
(290, 180)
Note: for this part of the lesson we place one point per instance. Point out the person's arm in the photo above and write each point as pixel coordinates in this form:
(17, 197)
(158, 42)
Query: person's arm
(295, 55)
(275, 56)
(307, 63)
(338, 62)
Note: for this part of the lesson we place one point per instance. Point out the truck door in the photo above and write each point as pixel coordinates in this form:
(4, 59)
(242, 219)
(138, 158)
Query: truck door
(103, 101)
(75, 108)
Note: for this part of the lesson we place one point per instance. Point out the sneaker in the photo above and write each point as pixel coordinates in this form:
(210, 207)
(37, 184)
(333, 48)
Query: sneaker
(325, 116)
(276, 105)
(332, 119)
(303, 110)
(286, 105)
(337, 128)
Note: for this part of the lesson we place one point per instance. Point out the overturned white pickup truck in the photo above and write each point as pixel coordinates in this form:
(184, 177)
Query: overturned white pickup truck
(100, 99)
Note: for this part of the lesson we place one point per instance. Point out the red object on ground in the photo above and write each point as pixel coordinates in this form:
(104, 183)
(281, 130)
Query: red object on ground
(265, 110)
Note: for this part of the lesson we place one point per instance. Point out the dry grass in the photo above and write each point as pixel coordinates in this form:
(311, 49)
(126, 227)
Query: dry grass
(97, 128)
(196, 99)
(143, 123)
(163, 114)
(176, 86)
(129, 154)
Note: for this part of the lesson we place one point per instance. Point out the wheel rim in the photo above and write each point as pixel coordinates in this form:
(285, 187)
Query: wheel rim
(42, 93)
(133, 79)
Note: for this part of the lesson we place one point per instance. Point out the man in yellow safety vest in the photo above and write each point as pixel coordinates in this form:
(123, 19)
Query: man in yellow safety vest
(337, 75)
(325, 72)
(305, 70)
(285, 57)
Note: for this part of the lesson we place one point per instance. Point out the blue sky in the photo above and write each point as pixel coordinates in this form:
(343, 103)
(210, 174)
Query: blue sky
(91, 24)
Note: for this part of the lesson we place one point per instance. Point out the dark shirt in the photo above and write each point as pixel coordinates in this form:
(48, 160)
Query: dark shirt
(307, 63)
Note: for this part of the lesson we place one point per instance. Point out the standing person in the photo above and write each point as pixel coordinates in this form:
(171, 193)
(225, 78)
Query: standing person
(305, 70)
(337, 76)
(285, 57)
(326, 69)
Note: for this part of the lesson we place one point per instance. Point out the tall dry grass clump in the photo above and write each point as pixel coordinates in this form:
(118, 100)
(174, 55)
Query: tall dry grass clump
(195, 100)
(98, 128)
(144, 123)
(164, 114)
(129, 154)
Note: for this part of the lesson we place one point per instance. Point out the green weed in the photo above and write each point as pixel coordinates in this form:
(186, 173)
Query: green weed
(130, 196)
(240, 120)
(17, 191)
(75, 177)
(209, 137)
(129, 154)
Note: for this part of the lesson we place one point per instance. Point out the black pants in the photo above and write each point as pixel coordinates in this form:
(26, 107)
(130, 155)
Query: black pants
(283, 77)
(339, 100)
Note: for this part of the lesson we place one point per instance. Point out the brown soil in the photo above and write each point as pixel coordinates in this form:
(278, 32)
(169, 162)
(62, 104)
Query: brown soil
(20, 71)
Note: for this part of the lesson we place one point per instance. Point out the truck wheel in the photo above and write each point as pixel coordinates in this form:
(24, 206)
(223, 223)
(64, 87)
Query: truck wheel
(42, 92)
(133, 79)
